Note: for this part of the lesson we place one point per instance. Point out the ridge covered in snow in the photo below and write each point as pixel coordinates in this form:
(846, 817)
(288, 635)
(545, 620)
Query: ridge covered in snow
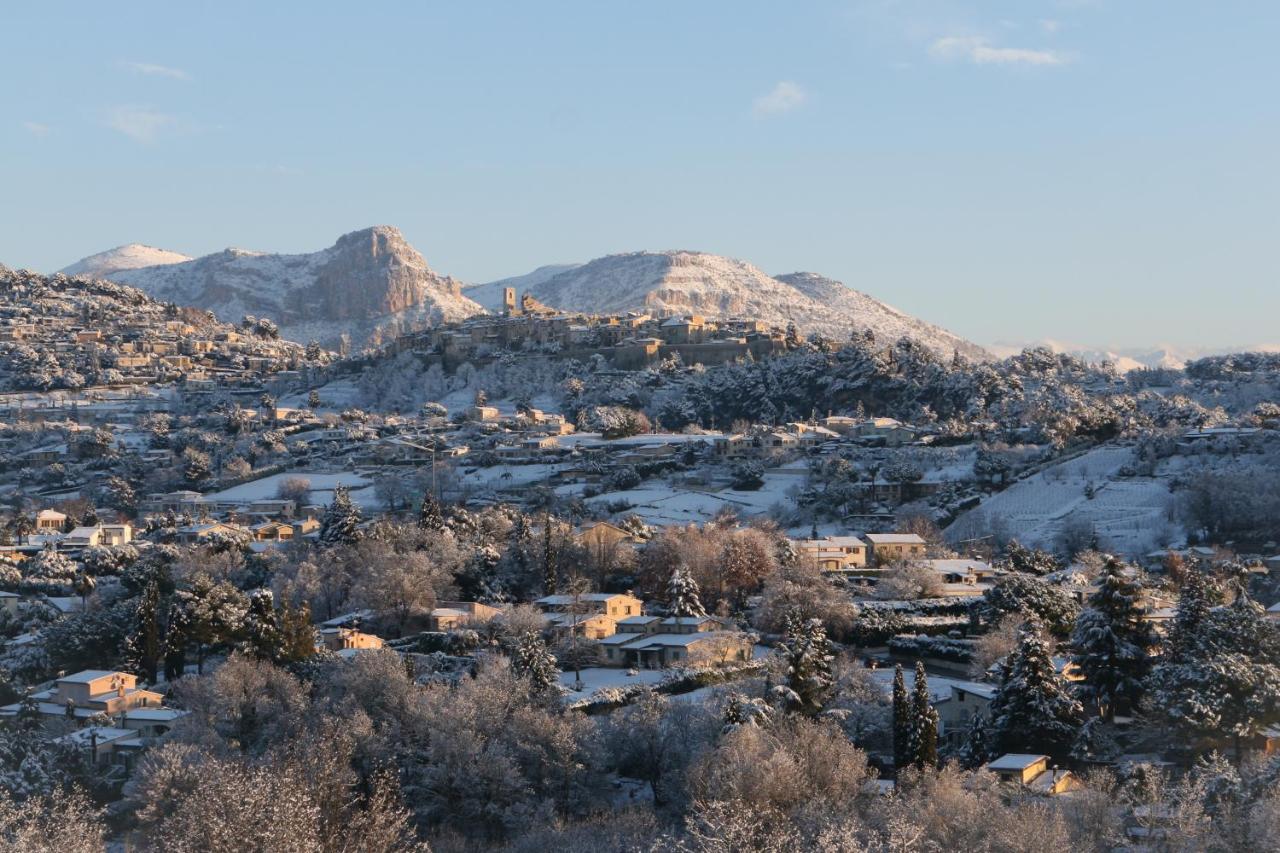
(130, 257)
(370, 284)
(682, 282)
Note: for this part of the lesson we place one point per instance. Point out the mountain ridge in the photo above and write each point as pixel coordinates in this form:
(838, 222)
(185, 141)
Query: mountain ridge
(682, 281)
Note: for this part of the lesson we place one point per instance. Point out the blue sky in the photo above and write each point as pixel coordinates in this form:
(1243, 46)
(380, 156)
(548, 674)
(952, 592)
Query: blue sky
(1098, 171)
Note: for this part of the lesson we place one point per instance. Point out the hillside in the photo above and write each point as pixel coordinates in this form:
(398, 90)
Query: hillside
(368, 284)
(679, 282)
(71, 332)
(122, 258)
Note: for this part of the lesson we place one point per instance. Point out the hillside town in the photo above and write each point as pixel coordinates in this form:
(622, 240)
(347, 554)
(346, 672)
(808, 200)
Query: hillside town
(952, 595)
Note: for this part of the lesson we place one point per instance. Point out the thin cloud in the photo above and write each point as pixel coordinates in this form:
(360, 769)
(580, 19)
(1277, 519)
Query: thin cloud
(153, 70)
(36, 128)
(980, 51)
(1049, 25)
(784, 97)
(141, 124)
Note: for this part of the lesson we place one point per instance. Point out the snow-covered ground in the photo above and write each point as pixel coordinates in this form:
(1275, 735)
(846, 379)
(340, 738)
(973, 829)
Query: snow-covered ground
(1130, 515)
(322, 486)
(595, 678)
(663, 505)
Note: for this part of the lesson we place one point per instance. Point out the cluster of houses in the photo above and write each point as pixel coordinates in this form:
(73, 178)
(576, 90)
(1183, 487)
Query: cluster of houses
(626, 341)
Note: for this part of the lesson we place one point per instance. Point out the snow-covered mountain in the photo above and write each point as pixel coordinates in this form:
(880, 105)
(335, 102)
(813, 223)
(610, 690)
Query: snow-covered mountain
(1129, 358)
(370, 284)
(680, 282)
(131, 257)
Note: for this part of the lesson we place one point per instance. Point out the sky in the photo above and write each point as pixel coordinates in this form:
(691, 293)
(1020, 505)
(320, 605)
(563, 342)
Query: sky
(1102, 172)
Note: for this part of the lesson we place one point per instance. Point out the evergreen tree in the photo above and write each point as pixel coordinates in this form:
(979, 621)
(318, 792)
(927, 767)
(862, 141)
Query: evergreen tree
(682, 595)
(902, 746)
(550, 558)
(263, 634)
(431, 516)
(1223, 677)
(1112, 643)
(976, 749)
(341, 522)
(143, 646)
(924, 722)
(1197, 597)
(298, 634)
(532, 660)
(807, 653)
(1033, 709)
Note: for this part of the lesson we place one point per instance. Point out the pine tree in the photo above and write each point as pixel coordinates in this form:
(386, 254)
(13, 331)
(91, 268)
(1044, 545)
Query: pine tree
(532, 660)
(808, 657)
(682, 595)
(341, 522)
(976, 749)
(902, 745)
(1112, 643)
(1198, 596)
(264, 637)
(1223, 677)
(924, 719)
(1033, 709)
(431, 516)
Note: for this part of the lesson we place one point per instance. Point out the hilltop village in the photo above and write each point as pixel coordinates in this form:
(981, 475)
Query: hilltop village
(538, 579)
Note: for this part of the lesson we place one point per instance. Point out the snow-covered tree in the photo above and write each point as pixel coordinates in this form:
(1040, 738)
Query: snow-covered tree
(1112, 643)
(533, 661)
(341, 522)
(1029, 596)
(1223, 677)
(901, 719)
(682, 595)
(263, 633)
(924, 723)
(49, 568)
(806, 652)
(1033, 709)
(430, 515)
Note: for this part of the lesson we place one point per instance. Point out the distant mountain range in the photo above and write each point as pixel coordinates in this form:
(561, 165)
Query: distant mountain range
(371, 285)
(1129, 358)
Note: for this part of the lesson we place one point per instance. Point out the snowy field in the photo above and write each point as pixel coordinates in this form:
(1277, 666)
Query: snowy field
(665, 505)
(597, 677)
(322, 486)
(1129, 515)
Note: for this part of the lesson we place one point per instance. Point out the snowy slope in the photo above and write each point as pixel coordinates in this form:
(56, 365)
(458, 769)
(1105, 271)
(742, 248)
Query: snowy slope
(489, 294)
(131, 257)
(368, 284)
(680, 282)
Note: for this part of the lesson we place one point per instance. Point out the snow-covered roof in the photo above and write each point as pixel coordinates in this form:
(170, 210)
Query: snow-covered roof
(895, 539)
(87, 675)
(1016, 761)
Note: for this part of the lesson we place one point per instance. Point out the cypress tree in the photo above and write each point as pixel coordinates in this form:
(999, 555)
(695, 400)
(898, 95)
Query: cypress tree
(902, 746)
(924, 718)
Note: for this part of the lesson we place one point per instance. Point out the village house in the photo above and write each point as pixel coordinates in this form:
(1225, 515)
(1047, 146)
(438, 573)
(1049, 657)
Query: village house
(50, 521)
(96, 536)
(593, 614)
(895, 547)
(1032, 772)
(449, 615)
(652, 642)
(92, 692)
(834, 553)
(341, 639)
